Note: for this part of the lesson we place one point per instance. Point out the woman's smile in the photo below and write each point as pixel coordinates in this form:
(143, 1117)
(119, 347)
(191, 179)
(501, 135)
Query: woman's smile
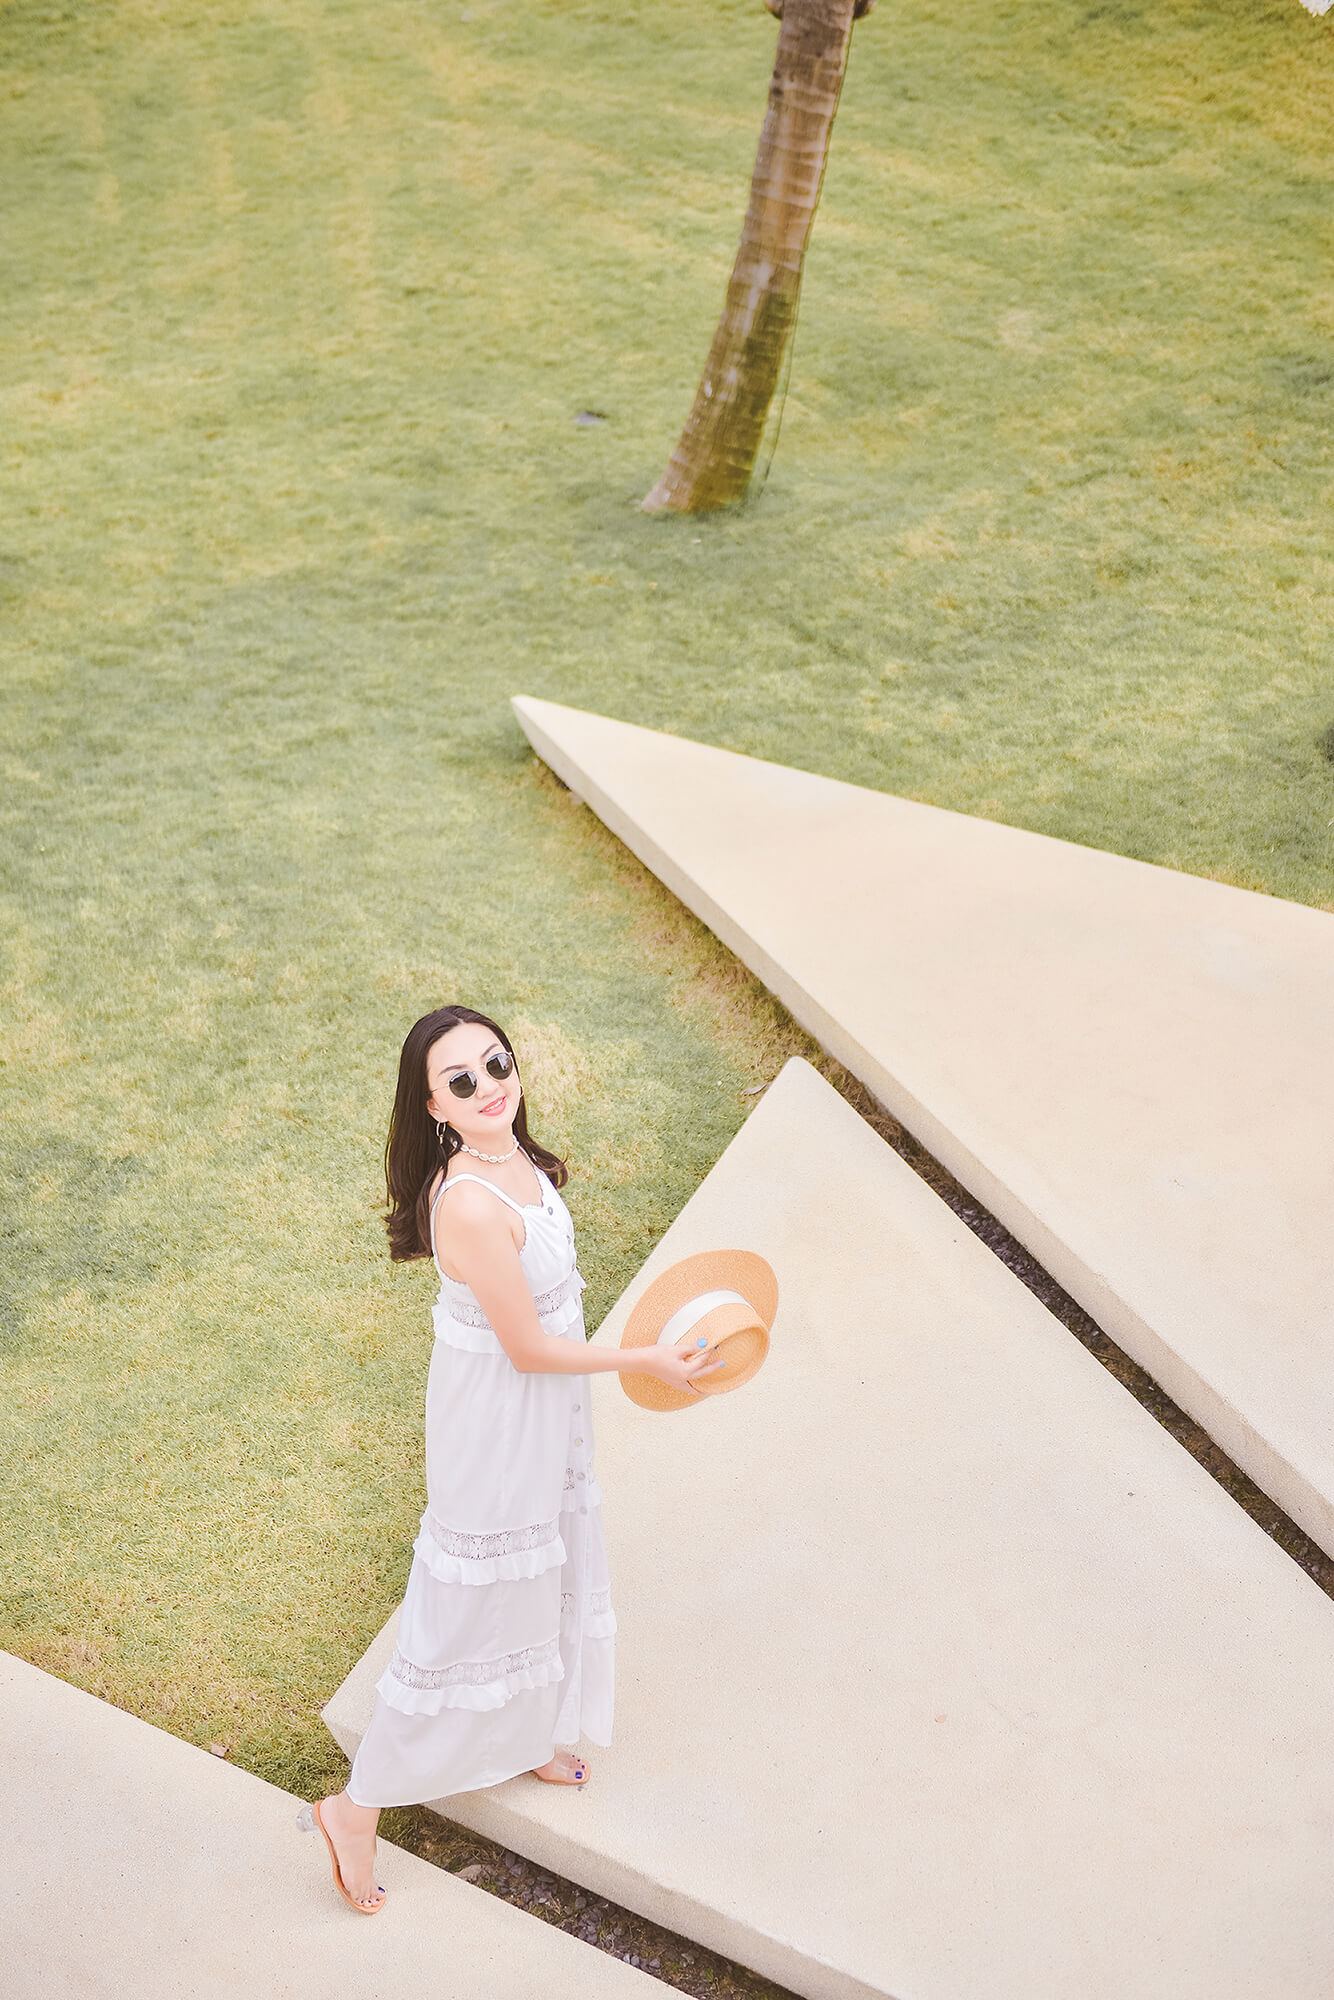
(495, 1107)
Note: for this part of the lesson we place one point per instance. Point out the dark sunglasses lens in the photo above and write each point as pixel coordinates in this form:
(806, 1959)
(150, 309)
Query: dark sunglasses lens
(464, 1084)
(499, 1065)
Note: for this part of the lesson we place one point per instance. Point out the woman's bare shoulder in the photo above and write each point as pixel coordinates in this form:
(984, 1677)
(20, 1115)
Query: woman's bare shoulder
(471, 1207)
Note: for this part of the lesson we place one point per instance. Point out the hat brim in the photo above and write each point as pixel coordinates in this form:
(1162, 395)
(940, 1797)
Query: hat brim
(742, 1340)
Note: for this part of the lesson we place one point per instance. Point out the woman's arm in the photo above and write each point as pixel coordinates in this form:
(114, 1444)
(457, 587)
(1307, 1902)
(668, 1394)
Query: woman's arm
(479, 1243)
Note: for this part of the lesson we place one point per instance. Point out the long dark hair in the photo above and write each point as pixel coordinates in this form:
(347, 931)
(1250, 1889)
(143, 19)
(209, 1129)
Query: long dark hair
(413, 1152)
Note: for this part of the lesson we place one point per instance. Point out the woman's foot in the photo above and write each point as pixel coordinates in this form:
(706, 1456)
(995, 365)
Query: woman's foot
(565, 1768)
(351, 1828)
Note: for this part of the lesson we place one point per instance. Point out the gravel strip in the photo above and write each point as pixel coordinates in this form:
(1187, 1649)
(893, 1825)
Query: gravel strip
(675, 1960)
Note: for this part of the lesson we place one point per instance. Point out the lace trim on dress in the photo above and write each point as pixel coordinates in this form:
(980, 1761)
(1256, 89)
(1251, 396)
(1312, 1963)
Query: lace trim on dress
(579, 1484)
(479, 1548)
(470, 1313)
(597, 1603)
(472, 1673)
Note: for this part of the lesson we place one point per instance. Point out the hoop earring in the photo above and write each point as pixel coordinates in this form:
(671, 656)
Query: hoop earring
(440, 1129)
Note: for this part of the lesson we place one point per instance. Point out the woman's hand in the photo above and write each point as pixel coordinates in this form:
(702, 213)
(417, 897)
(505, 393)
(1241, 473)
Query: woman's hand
(678, 1366)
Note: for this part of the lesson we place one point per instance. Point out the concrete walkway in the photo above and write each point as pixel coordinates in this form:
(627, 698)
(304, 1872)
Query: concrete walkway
(1129, 1066)
(136, 1867)
(943, 1672)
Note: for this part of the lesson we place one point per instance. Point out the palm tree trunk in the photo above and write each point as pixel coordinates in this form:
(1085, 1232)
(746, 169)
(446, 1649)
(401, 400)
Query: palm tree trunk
(713, 462)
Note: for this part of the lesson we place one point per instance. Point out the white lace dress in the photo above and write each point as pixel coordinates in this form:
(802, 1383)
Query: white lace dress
(504, 1647)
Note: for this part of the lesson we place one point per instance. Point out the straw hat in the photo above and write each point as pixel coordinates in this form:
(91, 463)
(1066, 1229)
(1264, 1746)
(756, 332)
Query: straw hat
(726, 1297)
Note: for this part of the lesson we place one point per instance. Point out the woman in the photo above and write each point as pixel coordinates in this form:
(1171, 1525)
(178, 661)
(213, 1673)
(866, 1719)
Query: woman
(504, 1647)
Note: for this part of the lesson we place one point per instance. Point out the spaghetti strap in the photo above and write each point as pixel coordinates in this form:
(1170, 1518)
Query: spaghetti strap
(454, 1179)
(435, 1203)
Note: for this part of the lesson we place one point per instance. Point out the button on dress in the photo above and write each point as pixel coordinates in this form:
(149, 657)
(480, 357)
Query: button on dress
(505, 1640)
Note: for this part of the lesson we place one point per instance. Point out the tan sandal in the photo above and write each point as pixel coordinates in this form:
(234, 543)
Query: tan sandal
(308, 1819)
(578, 1783)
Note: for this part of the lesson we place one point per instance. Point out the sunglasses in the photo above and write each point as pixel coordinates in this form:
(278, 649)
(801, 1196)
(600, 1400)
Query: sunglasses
(497, 1066)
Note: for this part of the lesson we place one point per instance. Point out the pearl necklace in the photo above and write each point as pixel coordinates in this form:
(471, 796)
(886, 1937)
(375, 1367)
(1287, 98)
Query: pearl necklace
(492, 1159)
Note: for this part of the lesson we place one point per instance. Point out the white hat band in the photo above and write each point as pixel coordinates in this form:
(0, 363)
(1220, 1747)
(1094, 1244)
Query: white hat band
(688, 1316)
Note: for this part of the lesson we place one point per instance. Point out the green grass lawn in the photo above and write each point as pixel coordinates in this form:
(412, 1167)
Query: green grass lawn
(299, 304)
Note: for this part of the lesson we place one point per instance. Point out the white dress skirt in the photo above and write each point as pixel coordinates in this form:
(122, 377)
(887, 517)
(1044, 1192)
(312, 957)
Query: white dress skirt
(505, 1640)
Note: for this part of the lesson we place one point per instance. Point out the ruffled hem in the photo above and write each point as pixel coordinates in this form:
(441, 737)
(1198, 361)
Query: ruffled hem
(481, 1340)
(589, 1703)
(472, 1339)
(511, 1568)
(489, 1695)
(459, 1328)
